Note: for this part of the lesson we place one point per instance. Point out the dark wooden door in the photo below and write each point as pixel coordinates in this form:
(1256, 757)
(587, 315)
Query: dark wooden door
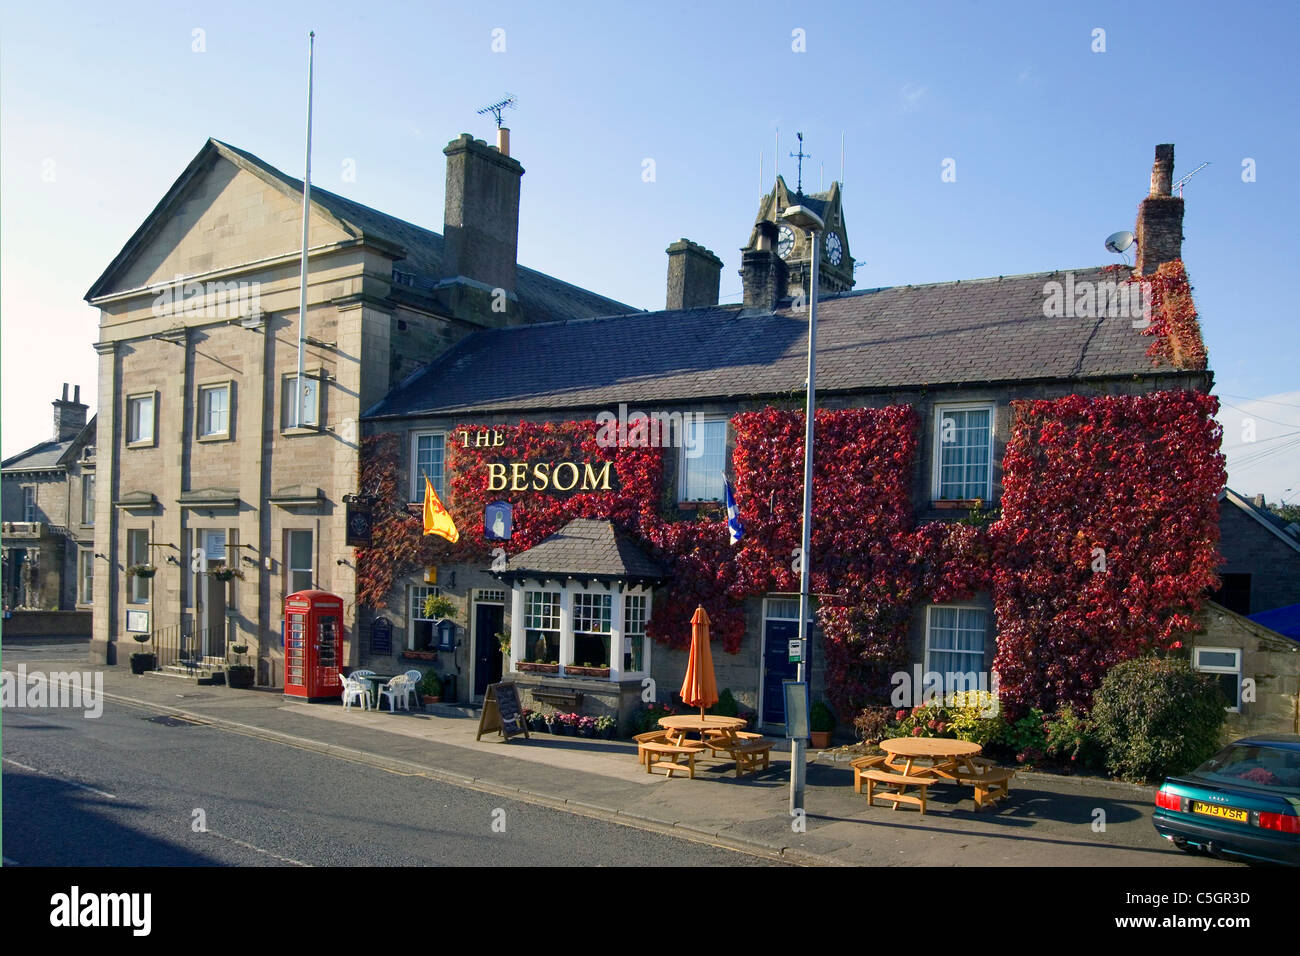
(777, 667)
(488, 619)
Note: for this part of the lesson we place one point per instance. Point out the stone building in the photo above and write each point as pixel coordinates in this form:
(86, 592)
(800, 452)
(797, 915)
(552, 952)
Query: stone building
(207, 458)
(958, 352)
(48, 521)
(1261, 553)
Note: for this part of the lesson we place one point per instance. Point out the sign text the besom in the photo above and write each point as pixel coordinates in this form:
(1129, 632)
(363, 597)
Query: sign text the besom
(562, 476)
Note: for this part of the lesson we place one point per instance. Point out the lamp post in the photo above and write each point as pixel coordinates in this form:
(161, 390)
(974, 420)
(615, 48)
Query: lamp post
(804, 218)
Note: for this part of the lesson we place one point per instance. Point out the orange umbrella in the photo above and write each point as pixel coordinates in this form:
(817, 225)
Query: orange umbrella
(700, 688)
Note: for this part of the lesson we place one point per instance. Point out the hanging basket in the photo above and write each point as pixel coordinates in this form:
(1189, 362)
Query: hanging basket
(141, 571)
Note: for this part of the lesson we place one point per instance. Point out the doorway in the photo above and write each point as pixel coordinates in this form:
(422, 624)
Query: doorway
(780, 627)
(489, 618)
(211, 594)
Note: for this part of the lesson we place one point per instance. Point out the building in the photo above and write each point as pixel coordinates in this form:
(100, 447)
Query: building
(48, 530)
(1261, 554)
(956, 353)
(208, 462)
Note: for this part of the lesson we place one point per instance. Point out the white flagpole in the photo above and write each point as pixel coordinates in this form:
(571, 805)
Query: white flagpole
(299, 391)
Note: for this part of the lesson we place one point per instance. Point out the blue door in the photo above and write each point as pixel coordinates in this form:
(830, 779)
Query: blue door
(777, 667)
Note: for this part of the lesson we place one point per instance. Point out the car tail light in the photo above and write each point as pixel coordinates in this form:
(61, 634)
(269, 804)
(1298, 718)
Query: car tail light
(1166, 800)
(1285, 822)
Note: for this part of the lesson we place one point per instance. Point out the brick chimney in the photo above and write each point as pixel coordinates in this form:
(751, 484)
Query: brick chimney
(69, 416)
(694, 275)
(1160, 217)
(762, 271)
(481, 216)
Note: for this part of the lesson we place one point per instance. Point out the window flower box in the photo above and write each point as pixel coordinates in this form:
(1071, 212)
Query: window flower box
(419, 655)
(538, 668)
(571, 670)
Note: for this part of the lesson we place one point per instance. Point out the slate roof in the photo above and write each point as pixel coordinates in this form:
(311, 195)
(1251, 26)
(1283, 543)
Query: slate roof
(1273, 522)
(43, 457)
(584, 547)
(544, 298)
(949, 333)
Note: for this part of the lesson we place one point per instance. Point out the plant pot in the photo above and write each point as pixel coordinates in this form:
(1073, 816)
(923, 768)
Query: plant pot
(821, 739)
(241, 675)
(141, 663)
(608, 733)
(534, 667)
(573, 671)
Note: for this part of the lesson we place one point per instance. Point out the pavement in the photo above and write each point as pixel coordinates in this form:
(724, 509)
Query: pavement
(1046, 820)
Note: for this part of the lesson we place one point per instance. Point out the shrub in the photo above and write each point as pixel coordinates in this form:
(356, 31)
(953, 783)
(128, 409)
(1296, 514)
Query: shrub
(821, 718)
(726, 705)
(431, 684)
(648, 719)
(1027, 737)
(1071, 736)
(971, 716)
(1156, 717)
(872, 724)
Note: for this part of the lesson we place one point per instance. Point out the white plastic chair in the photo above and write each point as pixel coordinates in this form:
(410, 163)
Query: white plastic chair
(354, 688)
(413, 678)
(396, 692)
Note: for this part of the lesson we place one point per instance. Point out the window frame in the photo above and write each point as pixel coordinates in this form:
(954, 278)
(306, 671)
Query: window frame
(287, 427)
(927, 668)
(88, 498)
(936, 471)
(557, 630)
(415, 613)
(682, 459)
(29, 504)
(133, 439)
(86, 576)
(289, 569)
(599, 609)
(137, 588)
(1235, 670)
(439, 483)
(201, 412)
(630, 635)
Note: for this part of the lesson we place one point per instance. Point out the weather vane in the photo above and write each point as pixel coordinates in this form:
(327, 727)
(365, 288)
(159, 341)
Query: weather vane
(801, 156)
(510, 102)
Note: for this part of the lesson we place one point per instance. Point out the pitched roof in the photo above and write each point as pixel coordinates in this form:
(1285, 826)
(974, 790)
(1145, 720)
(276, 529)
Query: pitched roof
(585, 547)
(544, 298)
(1278, 525)
(42, 457)
(948, 333)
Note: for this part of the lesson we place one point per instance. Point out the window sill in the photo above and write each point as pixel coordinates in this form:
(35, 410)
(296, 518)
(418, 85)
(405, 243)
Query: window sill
(955, 504)
(222, 436)
(142, 444)
(704, 503)
(304, 430)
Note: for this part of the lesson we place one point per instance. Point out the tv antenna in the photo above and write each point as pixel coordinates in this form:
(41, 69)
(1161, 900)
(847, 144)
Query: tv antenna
(509, 103)
(801, 156)
(1183, 182)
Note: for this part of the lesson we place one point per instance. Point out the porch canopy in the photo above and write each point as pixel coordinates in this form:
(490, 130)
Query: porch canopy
(580, 600)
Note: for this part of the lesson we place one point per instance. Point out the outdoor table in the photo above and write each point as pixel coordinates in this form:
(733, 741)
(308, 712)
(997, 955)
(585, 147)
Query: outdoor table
(376, 681)
(686, 723)
(950, 757)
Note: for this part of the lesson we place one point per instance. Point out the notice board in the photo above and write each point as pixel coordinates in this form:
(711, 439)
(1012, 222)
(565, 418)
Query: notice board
(502, 712)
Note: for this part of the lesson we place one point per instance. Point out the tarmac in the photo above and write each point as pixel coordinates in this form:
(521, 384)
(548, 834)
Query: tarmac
(1047, 819)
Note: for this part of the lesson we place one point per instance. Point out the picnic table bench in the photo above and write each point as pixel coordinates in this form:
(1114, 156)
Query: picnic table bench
(671, 752)
(748, 753)
(897, 784)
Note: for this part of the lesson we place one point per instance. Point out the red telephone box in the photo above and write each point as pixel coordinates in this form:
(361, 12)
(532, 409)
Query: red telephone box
(313, 645)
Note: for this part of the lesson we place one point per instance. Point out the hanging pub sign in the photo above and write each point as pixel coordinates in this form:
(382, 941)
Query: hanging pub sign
(554, 477)
(360, 526)
(498, 520)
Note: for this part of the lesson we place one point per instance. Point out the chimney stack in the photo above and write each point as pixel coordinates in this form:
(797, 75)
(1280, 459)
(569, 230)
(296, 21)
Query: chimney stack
(69, 416)
(762, 271)
(481, 217)
(1160, 217)
(694, 275)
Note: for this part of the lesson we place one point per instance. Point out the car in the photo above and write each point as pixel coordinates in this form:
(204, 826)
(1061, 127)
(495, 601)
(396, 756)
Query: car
(1243, 802)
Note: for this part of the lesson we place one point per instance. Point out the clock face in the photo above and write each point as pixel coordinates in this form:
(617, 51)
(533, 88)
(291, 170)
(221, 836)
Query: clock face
(784, 242)
(834, 250)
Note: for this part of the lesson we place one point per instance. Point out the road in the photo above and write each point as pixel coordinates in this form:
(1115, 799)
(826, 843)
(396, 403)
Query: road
(133, 788)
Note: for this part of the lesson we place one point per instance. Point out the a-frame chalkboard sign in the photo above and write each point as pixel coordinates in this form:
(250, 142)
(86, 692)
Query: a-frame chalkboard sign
(502, 713)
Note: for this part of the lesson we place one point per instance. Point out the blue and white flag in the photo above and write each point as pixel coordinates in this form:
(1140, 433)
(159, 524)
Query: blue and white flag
(733, 514)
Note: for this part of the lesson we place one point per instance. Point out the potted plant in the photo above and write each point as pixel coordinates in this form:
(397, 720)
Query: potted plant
(439, 608)
(431, 687)
(821, 722)
(141, 571)
(142, 661)
(225, 574)
(240, 674)
(540, 667)
(605, 727)
(586, 726)
(503, 641)
(552, 723)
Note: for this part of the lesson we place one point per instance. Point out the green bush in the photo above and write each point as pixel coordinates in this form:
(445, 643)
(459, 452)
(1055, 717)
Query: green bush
(726, 705)
(964, 715)
(1027, 737)
(644, 721)
(1156, 717)
(821, 718)
(1071, 736)
(431, 684)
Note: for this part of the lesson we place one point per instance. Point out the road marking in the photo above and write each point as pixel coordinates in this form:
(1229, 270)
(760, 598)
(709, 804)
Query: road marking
(247, 845)
(46, 773)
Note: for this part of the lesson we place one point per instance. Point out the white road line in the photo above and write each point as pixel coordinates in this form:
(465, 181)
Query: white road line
(238, 842)
(46, 773)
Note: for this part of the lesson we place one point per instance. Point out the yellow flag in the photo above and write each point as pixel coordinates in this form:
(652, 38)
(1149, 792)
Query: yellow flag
(437, 520)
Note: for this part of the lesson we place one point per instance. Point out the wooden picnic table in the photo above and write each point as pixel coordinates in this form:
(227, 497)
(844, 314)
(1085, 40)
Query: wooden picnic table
(955, 760)
(749, 754)
(947, 757)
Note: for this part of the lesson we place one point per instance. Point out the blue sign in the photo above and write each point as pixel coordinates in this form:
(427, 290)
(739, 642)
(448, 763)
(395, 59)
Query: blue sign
(381, 636)
(498, 519)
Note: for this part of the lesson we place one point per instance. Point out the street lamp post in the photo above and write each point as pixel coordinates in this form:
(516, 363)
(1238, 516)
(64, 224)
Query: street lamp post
(807, 220)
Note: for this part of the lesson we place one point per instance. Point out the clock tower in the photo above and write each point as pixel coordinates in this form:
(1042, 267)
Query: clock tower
(794, 246)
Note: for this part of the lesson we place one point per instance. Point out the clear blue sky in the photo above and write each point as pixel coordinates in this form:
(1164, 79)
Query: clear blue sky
(102, 106)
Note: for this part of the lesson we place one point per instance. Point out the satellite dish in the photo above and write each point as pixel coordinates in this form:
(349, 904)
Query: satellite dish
(1119, 241)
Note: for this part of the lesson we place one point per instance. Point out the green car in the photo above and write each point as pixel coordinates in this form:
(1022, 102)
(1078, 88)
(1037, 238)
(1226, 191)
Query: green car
(1242, 802)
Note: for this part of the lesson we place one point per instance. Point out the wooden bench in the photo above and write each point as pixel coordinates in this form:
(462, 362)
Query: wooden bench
(990, 786)
(650, 737)
(672, 752)
(861, 764)
(898, 782)
(748, 754)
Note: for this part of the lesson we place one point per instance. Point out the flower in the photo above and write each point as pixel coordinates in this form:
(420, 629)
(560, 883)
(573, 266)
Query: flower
(900, 715)
(916, 731)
